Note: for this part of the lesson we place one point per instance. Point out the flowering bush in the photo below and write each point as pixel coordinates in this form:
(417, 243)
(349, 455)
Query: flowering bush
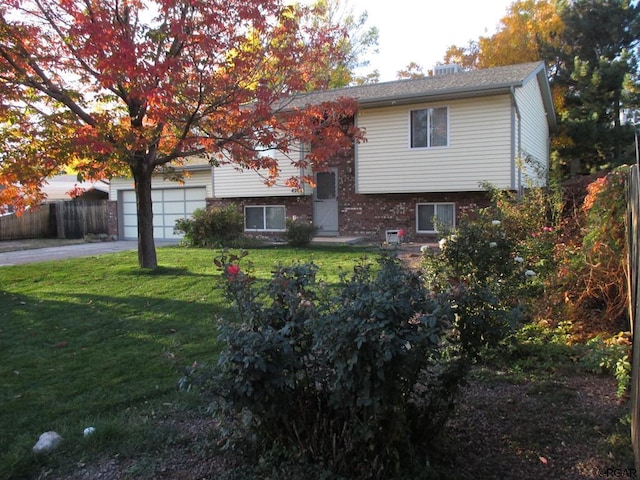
(232, 271)
(360, 377)
(531, 221)
(486, 279)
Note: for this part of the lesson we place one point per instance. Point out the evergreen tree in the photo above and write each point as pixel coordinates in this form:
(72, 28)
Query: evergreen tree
(599, 76)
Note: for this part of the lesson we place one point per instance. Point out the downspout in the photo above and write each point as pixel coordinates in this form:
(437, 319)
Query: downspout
(515, 152)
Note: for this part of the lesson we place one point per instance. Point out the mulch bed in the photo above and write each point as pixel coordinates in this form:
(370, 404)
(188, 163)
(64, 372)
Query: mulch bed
(557, 428)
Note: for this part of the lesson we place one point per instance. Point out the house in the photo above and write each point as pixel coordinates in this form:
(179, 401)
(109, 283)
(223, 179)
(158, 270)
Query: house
(431, 143)
(171, 201)
(59, 187)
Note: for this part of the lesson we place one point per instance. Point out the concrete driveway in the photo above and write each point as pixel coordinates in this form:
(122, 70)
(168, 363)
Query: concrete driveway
(70, 251)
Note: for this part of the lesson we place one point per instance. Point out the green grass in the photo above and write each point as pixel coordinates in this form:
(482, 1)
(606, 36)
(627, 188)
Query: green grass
(97, 341)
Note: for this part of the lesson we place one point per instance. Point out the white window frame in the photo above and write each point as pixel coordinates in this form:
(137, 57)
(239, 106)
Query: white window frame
(428, 137)
(435, 211)
(264, 217)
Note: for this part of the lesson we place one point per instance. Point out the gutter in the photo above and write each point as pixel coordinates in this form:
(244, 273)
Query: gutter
(515, 153)
(434, 97)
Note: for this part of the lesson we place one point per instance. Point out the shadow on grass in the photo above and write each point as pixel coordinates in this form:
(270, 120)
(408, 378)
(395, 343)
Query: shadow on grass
(168, 272)
(67, 363)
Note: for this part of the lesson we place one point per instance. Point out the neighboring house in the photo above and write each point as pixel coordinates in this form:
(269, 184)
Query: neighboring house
(57, 188)
(431, 143)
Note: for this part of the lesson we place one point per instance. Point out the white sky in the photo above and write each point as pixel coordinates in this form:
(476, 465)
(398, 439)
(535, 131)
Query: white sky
(421, 30)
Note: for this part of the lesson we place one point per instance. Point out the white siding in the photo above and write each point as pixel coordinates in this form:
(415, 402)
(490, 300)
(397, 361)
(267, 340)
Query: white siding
(480, 146)
(228, 182)
(534, 131)
(200, 178)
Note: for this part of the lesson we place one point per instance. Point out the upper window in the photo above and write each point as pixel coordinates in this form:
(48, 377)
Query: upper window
(430, 215)
(430, 127)
(264, 217)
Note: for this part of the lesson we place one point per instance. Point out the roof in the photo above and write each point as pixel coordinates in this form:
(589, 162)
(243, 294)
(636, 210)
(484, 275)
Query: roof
(57, 187)
(473, 83)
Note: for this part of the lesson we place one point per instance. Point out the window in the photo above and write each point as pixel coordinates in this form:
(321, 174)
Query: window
(326, 186)
(430, 215)
(264, 218)
(430, 127)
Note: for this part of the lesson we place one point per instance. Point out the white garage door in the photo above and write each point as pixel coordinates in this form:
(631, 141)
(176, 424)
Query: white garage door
(169, 205)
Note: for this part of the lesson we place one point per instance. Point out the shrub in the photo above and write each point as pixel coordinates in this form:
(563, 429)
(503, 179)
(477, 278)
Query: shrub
(610, 356)
(359, 378)
(215, 227)
(487, 281)
(531, 221)
(593, 267)
(299, 234)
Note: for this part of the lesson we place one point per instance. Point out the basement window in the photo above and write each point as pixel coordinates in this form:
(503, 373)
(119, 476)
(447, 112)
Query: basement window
(430, 215)
(264, 218)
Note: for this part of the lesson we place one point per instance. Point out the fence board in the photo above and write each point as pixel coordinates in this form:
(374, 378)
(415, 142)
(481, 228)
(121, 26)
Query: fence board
(78, 218)
(71, 219)
(633, 210)
(34, 223)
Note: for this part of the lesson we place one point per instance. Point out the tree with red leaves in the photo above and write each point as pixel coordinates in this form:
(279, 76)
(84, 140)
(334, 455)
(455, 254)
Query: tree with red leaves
(133, 87)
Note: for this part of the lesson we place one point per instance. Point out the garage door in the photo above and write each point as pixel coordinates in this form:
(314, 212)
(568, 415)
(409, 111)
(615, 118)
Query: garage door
(169, 205)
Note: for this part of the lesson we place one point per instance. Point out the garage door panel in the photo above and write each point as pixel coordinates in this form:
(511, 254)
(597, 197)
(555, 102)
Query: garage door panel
(170, 220)
(156, 195)
(174, 208)
(194, 205)
(129, 209)
(194, 194)
(172, 195)
(128, 196)
(131, 232)
(169, 233)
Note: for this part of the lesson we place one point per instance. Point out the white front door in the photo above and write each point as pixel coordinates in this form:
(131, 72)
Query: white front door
(325, 202)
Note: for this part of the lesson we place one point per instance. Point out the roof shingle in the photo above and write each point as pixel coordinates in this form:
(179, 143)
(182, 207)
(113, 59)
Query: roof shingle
(469, 83)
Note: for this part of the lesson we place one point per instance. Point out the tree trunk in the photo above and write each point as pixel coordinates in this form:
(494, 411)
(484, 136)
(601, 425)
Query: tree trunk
(146, 245)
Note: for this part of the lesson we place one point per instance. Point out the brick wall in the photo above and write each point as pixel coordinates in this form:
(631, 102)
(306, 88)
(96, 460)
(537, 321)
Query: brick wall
(368, 216)
(112, 218)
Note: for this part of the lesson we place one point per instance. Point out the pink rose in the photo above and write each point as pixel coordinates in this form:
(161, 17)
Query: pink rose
(232, 271)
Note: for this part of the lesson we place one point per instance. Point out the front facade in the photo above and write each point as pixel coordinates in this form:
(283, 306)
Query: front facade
(431, 144)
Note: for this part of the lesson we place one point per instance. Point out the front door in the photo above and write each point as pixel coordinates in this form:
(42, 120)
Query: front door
(325, 203)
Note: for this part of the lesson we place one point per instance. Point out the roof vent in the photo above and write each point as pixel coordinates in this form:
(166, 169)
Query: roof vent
(446, 69)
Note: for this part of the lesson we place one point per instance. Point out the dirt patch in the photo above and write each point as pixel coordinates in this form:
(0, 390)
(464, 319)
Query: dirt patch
(559, 428)
(411, 254)
(563, 428)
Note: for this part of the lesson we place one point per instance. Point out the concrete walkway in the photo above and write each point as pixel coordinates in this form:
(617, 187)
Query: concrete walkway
(70, 251)
(336, 240)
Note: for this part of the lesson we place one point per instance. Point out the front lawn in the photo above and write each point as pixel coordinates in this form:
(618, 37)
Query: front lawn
(98, 342)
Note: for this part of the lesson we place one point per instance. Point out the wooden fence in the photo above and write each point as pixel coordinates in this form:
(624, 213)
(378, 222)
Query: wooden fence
(633, 237)
(72, 219)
